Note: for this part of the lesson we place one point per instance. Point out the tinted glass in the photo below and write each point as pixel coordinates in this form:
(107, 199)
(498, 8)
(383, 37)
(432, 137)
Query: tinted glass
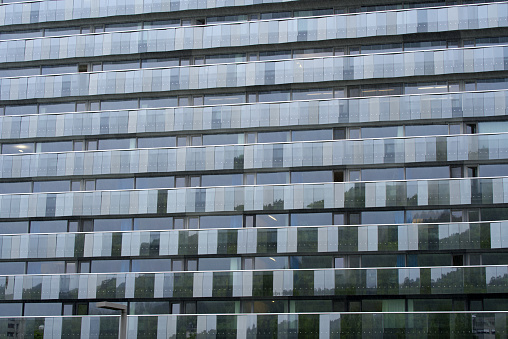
(51, 186)
(112, 225)
(106, 266)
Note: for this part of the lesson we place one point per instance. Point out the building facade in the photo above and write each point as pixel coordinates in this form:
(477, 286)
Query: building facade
(254, 168)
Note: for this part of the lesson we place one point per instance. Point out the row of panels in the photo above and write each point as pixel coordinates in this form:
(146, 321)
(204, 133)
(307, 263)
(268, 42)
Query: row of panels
(261, 32)
(473, 147)
(325, 325)
(392, 65)
(325, 282)
(373, 238)
(317, 112)
(42, 11)
(399, 194)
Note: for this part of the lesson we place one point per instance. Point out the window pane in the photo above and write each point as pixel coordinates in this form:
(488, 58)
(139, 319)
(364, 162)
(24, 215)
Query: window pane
(51, 186)
(155, 182)
(311, 219)
(107, 266)
(114, 184)
(220, 221)
(100, 225)
(49, 226)
(17, 148)
(156, 142)
(153, 223)
(43, 309)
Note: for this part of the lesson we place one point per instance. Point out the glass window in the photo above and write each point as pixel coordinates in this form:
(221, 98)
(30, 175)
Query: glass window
(11, 310)
(18, 148)
(314, 94)
(158, 102)
(308, 262)
(59, 69)
(428, 87)
(222, 180)
(311, 176)
(383, 217)
(433, 172)
(155, 182)
(218, 264)
(152, 63)
(382, 132)
(319, 134)
(105, 144)
(312, 53)
(272, 220)
(61, 31)
(491, 84)
(493, 127)
(103, 225)
(272, 178)
(18, 72)
(57, 108)
(223, 99)
(110, 105)
(43, 309)
(156, 142)
(427, 216)
(149, 307)
(223, 58)
(110, 266)
(497, 170)
(214, 307)
(51, 186)
(48, 226)
(20, 109)
(151, 265)
(222, 139)
(220, 221)
(46, 267)
(12, 267)
(274, 96)
(16, 187)
(271, 263)
(145, 224)
(13, 227)
(269, 137)
(422, 130)
(311, 219)
(378, 174)
(274, 55)
(56, 146)
(94, 310)
(161, 23)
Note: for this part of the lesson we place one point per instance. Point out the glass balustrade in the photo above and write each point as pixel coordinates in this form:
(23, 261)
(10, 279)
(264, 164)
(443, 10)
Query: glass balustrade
(261, 241)
(325, 325)
(42, 11)
(350, 195)
(342, 26)
(275, 283)
(315, 112)
(408, 150)
(389, 65)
